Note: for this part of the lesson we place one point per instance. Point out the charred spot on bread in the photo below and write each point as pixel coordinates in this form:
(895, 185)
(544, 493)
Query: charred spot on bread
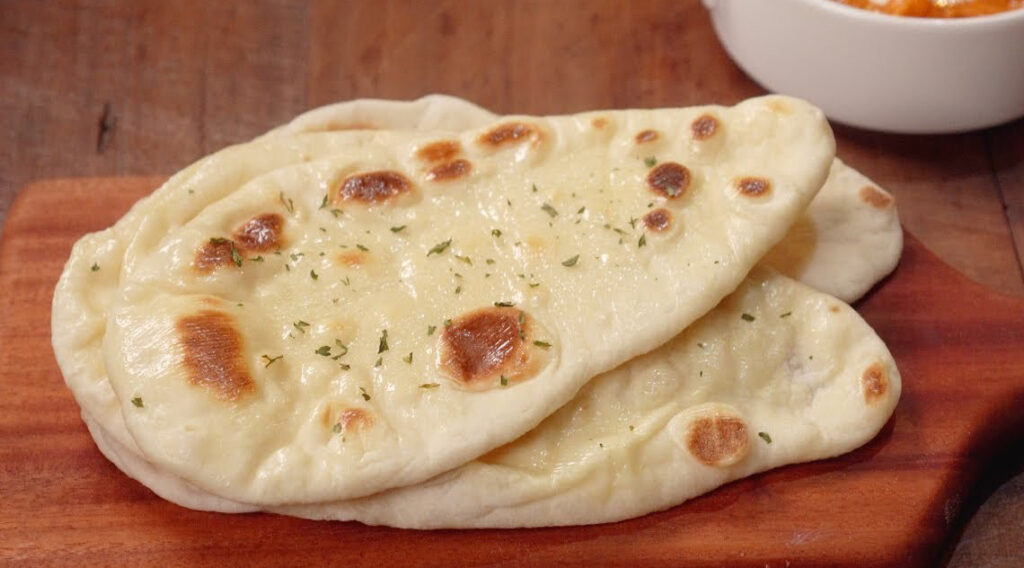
(212, 354)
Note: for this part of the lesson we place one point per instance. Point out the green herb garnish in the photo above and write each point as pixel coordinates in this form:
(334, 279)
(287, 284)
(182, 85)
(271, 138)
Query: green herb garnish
(95, 267)
(430, 385)
(287, 204)
(495, 232)
(503, 304)
(270, 360)
(439, 247)
(504, 381)
(314, 275)
(431, 329)
(642, 242)
(786, 315)
(764, 436)
(300, 325)
(324, 202)
(571, 261)
(137, 401)
(383, 345)
(551, 211)
(362, 391)
(324, 351)
(649, 161)
(747, 317)
(542, 344)
(408, 358)
(361, 247)
(398, 229)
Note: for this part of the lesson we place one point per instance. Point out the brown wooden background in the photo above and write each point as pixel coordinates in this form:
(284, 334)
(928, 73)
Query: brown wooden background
(145, 87)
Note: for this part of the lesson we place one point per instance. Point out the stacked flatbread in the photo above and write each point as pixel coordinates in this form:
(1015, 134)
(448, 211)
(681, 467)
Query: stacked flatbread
(424, 315)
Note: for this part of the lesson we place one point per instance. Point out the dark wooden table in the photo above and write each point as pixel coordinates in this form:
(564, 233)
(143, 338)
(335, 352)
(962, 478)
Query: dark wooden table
(145, 87)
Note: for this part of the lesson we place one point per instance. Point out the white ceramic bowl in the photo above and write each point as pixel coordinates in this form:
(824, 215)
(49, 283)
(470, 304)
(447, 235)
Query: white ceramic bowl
(877, 71)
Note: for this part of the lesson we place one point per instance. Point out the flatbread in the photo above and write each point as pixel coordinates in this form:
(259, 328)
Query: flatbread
(432, 112)
(776, 374)
(849, 238)
(608, 288)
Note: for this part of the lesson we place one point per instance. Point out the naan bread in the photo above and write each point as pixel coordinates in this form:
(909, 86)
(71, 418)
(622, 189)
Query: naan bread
(849, 238)
(776, 374)
(845, 266)
(606, 289)
(432, 112)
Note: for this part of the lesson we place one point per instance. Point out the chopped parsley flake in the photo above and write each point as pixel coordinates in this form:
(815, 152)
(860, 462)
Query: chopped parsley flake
(504, 304)
(582, 209)
(439, 247)
(489, 261)
(314, 275)
(495, 232)
(300, 325)
(137, 401)
(270, 360)
(362, 391)
(361, 247)
(542, 344)
(256, 259)
(324, 351)
(786, 315)
(447, 323)
(458, 289)
(430, 385)
(764, 436)
(408, 358)
(379, 362)
(342, 347)
(571, 261)
(549, 210)
(747, 317)
(398, 229)
(465, 259)
(631, 427)
(324, 202)
(336, 212)
(95, 267)
(534, 188)
(642, 242)
(336, 428)
(431, 329)
(383, 345)
(650, 161)
(504, 381)
(287, 203)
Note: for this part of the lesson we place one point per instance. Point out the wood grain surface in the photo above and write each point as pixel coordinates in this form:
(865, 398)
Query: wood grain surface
(114, 87)
(956, 343)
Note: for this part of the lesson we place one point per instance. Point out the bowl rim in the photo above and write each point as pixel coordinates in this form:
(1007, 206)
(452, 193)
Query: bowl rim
(1013, 16)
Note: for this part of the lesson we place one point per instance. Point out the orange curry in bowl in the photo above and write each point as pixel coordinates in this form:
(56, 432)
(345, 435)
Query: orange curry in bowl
(936, 8)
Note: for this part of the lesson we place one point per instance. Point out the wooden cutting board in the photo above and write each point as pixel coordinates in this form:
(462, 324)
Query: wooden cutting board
(960, 348)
